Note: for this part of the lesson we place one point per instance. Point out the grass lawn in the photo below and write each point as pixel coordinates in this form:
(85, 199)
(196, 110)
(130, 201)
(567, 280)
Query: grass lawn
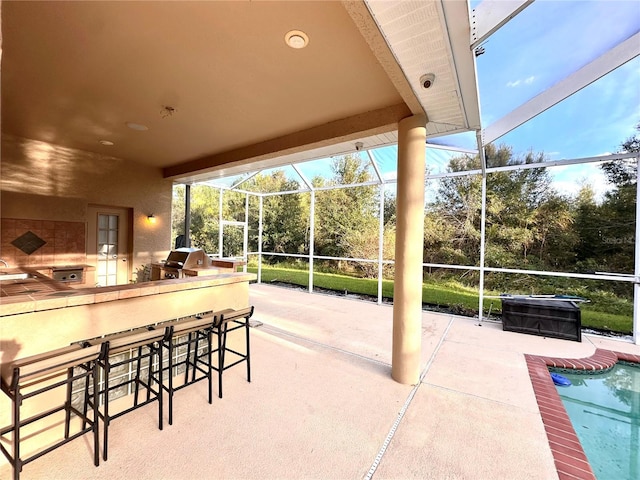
(455, 297)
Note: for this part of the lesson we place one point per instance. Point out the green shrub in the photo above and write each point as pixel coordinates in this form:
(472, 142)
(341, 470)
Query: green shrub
(605, 311)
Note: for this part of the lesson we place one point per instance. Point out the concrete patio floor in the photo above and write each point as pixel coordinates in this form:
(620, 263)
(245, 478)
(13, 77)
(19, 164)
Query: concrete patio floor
(322, 405)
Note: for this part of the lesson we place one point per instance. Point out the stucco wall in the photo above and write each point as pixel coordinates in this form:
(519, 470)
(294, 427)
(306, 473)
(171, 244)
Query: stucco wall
(42, 181)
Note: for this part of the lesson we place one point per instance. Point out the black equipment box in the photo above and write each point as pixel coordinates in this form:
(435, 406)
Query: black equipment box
(540, 316)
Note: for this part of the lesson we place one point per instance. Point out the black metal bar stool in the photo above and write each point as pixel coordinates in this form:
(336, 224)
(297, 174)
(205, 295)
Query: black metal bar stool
(29, 377)
(124, 349)
(237, 319)
(188, 333)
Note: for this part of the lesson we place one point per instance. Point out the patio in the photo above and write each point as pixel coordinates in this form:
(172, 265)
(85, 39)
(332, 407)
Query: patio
(321, 404)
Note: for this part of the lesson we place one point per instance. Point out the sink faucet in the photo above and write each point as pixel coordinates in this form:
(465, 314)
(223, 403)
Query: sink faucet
(5, 263)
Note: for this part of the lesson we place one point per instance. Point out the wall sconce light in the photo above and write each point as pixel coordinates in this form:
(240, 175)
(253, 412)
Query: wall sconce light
(151, 219)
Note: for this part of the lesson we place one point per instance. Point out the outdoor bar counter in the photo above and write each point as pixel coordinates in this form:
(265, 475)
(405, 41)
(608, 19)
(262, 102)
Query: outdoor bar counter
(39, 314)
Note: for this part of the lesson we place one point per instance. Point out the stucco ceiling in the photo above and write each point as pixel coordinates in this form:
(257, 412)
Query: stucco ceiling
(216, 84)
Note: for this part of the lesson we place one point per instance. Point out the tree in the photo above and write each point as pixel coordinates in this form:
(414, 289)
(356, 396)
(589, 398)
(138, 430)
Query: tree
(286, 221)
(615, 217)
(556, 237)
(515, 201)
(587, 226)
(204, 216)
(177, 212)
(527, 221)
(347, 218)
(452, 221)
(205, 207)
(632, 144)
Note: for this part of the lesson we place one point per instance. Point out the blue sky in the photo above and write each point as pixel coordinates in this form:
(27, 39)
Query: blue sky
(541, 46)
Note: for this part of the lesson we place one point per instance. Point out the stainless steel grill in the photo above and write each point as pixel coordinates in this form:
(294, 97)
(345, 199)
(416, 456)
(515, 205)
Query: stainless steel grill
(179, 259)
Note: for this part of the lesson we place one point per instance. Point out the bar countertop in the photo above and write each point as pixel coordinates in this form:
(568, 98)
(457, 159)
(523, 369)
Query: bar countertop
(38, 292)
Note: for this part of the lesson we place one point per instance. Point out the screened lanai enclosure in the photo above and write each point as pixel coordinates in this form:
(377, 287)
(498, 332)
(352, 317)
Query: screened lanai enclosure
(541, 201)
(329, 225)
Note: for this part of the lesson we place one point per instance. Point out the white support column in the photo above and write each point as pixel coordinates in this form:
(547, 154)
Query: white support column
(187, 215)
(407, 303)
(220, 227)
(380, 243)
(312, 227)
(260, 241)
(483, 222)
(636, 285)
(380, 223)
(245, 240)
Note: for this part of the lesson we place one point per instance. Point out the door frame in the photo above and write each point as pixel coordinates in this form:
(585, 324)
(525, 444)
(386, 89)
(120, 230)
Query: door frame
(125, 214)
(245, 233)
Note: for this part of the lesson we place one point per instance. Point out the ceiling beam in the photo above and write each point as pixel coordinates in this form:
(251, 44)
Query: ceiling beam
(609, 61)
(371, 33)
(490, 15)
(350, 128)
(462, 59)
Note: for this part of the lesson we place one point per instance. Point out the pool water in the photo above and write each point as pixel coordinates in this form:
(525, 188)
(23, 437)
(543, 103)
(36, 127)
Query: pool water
(604, 409)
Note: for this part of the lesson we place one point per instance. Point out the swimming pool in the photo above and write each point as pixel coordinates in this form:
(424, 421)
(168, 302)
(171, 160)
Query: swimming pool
(604, 409)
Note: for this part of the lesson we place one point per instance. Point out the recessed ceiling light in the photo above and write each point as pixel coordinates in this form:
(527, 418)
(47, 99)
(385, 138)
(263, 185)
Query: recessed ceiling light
(106, 143)
(137, 126)
(296, 39)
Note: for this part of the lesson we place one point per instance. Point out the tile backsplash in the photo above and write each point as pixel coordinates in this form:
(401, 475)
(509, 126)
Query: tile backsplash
(64, 242)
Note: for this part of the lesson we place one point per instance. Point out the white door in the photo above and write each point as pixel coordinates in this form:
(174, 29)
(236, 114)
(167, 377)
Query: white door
(108, 244)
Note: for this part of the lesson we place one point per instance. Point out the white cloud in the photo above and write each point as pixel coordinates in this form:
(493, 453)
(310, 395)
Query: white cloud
(568, 179)
(525, 81)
